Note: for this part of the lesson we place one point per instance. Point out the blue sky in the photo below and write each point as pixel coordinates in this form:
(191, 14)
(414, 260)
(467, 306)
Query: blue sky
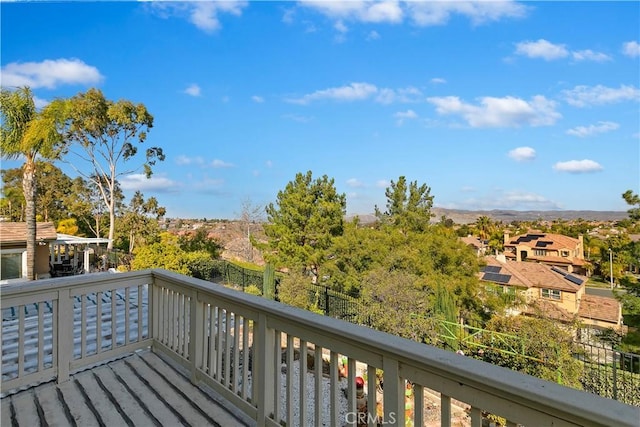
(494, 105)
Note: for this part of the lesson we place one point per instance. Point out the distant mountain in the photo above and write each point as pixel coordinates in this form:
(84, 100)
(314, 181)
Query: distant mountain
(460, 216)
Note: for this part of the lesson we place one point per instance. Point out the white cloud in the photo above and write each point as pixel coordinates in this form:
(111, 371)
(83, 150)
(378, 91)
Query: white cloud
(584, 96)
(340, 27)
(140, 182)
(362, 11)
(522, 154)
(257, 99)
(589, 55)
(382, 183)
(352, 92)
(578, 166)
(401, 116)
(631, 49)
(479, 12)
(373, 35)
(193, 90)
(269, 164)
(601, 127)
(49, 73)
(297, 118)
(220, 164)
(501, 199)
(183, 160)
(39, 102)
(541, 49)
(438, 80)
(203, 14)
(500, 112)
(355, 183)
(361, 91)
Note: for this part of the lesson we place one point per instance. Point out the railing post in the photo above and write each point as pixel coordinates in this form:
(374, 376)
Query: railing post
(615, 374)
(196, 334)
(393, 392)
(64, 332)
(263, 364)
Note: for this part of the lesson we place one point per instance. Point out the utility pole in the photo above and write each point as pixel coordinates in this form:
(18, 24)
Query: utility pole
(611, 267)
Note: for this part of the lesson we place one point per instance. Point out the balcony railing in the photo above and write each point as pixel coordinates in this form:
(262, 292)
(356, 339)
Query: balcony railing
(252, 352)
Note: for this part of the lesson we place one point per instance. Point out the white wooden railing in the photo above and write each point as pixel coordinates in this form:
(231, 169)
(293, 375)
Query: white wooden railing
(251, 351)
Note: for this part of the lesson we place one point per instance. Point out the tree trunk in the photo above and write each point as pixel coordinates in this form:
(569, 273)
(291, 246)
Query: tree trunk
(112, 225)
(29, 188)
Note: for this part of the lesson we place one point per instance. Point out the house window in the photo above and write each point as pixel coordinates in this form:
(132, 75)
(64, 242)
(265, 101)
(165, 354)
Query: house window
(11, 264)
(551, 294)
(564, 253)
(539, 252)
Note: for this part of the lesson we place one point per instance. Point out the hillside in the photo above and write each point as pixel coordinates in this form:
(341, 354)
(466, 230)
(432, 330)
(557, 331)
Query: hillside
(467, 217)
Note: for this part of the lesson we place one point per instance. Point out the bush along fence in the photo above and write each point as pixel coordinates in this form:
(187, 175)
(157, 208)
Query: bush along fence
(607, 372)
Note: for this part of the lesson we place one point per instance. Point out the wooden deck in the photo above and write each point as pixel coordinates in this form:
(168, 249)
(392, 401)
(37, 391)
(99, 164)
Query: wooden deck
(139, 390)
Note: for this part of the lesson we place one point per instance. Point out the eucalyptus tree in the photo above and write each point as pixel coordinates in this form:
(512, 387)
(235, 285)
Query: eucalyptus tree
(104, 134)
(29, 133)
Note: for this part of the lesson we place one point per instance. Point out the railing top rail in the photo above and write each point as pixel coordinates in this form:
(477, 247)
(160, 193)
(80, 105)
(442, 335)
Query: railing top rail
(577, 406)
(18, 289)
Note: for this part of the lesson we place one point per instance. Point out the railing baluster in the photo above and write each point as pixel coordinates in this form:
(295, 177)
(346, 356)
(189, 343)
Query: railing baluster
(418, 405)
(140, 320)
(83, 326)
(114, 316)
(180, 349)
(212, 342)
(372, 393)
(333, 379)
(21, 340)
(197, 319)
(227, 349)
(98, 322)
(127, 316)
(236, 352)
(40, 336)
(303, 382)
(277, 377)
(64, 332)
(263, 361)
(351, 389)
(219, 350)
(476, 417)
(290, 362)
(445, 411)
(245, 357)
(317, 357)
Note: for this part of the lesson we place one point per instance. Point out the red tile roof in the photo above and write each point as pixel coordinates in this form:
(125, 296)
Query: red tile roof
(600, 308)
(16, 232)
(555, 241)
(534, 275)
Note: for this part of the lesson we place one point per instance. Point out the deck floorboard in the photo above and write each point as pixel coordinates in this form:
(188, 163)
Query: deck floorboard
(138, 390)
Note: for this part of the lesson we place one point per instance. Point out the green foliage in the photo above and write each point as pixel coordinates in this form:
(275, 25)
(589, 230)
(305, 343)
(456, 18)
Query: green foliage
(269, 281)
(302, 224)
(138, 224)
(547, 349)
(201, 265)
(200, 241)
(633, 200)
(68, 226)
(163, 254)
(444, 304)
(396, 302)
(293, 290)
(253, 290)
(408, 206)
(599, 379)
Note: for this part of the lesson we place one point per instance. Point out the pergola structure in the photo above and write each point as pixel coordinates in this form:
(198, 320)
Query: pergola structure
(71, 254)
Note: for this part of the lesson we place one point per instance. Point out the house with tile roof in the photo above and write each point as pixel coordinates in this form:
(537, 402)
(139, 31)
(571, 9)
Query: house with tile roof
(550, 292)
(555, 250)
(13, 249)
